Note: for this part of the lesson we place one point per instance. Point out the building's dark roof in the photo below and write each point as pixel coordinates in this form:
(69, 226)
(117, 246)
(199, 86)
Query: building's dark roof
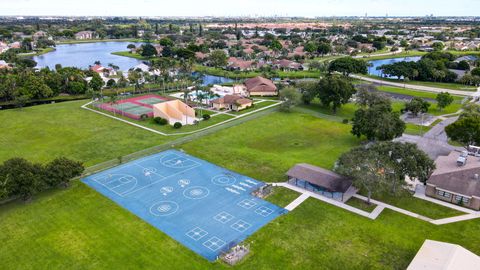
(324, 178)
(260, 84)
(458, 179)
(462, 182)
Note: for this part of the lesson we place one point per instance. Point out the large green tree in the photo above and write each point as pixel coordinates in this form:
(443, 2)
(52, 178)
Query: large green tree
(465, 130)
(218, 58)
(417, 105)
(377, 123)
(444, 99)
(334, 91)
(61, 170)
(289, 97)
(348, 65)
(22, 178)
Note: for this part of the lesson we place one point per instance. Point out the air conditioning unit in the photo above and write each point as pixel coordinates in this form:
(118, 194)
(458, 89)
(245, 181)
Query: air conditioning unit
(461, 161)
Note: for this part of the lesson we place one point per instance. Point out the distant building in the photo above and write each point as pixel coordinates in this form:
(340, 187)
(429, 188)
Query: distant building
(39, 34)
(260, 86)
(3, 64)
(456, 180)
(232, 102)
(85, 35)
(435, 255)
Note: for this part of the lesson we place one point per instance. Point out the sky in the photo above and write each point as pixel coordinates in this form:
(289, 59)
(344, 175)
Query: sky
(304, 8)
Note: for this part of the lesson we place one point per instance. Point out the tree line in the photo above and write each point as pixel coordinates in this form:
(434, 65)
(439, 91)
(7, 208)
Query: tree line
(20, 178)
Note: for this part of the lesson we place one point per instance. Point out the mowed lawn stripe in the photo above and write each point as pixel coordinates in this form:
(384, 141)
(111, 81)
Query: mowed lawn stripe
(43, 132)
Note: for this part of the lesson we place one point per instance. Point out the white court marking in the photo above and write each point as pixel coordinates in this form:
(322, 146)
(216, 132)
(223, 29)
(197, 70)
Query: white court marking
(224, 180)
(214, 243)
(183, 182)
(164, 208)
(196, 233)
(263, 211)
(177, 161)
(240, 225)
(124, 179)
(247, 204)
(135, 188)
(196, 192)
(165, 190)
(223, 217)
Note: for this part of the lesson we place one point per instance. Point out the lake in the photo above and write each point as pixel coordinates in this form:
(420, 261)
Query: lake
(376, 63)
(212, 79)
(82, 55)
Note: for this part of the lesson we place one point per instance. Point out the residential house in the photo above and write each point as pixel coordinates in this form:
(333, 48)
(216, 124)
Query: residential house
(239, 64)
(232, 102)
(39, 34)
(85, 35)
(105, 71)
(4, 64)
(456, 180)
(285, 64)
(260, 86)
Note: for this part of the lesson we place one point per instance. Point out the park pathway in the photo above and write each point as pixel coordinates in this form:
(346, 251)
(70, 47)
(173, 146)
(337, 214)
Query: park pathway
(305, 194)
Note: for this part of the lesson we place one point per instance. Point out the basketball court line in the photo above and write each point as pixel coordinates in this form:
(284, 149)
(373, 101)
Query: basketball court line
(166, 177)
(96, 179)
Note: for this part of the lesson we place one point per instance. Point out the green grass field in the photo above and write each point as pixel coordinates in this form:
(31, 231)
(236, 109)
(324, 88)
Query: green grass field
(132, 55)
(443, 85)
(77, 228)
(41, 133)
(267, 147)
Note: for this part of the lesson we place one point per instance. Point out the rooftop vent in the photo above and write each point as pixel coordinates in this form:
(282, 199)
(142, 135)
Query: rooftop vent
(475, 176)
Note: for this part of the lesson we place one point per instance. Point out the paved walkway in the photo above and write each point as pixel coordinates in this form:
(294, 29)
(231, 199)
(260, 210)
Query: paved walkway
(85, 106)
(297, 202)
(376, 212)
(417, 87)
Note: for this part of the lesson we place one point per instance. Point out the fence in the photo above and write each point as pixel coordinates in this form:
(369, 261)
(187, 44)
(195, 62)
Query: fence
(172, 144)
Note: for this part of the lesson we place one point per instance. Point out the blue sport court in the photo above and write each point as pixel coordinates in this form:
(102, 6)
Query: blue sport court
(203, 206)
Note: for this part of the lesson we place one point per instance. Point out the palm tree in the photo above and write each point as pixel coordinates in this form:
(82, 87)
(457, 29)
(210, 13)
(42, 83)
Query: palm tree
(186, 94)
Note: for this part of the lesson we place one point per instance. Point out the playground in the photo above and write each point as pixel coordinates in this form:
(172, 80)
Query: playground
(205, 207)
(133, 107)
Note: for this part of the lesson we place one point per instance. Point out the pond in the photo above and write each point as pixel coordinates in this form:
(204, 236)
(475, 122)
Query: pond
(83, 55)
(212, 79)
(372, 70)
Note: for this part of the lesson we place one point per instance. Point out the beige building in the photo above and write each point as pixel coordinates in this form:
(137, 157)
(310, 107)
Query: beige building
(175, 111)
(232, 102)
(455, 182)
(434, 255)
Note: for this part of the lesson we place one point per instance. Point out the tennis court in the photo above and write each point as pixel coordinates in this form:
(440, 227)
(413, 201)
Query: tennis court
(203, 206)
(151, 100)
(134, 107)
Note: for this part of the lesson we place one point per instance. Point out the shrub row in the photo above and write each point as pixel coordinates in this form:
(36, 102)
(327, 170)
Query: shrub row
(21, 178)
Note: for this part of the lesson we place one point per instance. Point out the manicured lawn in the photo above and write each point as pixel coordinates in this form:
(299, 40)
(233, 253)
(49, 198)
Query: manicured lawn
(282, 196)
(451, 86)
(132, 55)
(257, 105)
(419, 206)
(413, 93)
(361, 204)
(267, 147)
(41, 133)
(78, 228)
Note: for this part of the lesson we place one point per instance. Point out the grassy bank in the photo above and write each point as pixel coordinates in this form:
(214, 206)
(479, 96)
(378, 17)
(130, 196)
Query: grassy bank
(132, 55)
